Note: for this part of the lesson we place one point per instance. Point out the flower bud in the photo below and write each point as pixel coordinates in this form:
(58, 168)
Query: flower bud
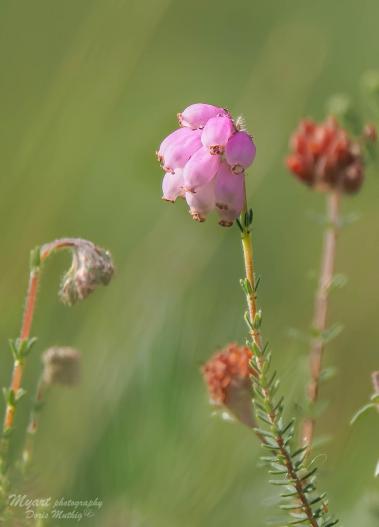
(91, 266)
(172, 185)
(216, 133)
(227, 376)
(201, 202)
(240, 151)
(229, 192)
(61, 366)
(197, 115)
(180, 151)
(200, 169)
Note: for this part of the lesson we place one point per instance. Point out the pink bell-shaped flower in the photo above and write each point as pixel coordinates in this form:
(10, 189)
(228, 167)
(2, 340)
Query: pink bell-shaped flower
(197, 115)
(200, 169)
(229, 194)
(180, 151)
(216, 133)
(172, 185)
(240, 151)
(202, 202)
(178, 135)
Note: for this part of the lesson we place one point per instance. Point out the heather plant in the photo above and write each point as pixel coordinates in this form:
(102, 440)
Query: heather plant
(205, 162)
(91, 266)
(331, 161)
(212, 175)
(331, 158)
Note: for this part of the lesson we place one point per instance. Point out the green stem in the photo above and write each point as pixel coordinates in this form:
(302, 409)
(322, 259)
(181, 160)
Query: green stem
(247, 248)
(277, 438)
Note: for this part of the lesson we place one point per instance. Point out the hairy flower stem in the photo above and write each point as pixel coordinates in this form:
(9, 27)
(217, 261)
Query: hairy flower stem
(276, 438)
(38, 257)
(247, 247)
(320, 311)
(248, 257)
(18, 366)
(14, 391)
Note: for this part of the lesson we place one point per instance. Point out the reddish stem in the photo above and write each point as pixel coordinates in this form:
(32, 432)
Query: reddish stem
(320, 311)
(31, 298)
(27, 321)
(18, 367)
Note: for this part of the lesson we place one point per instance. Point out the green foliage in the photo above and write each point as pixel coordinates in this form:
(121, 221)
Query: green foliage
(299, 498)
(373, 404)
(21, 348)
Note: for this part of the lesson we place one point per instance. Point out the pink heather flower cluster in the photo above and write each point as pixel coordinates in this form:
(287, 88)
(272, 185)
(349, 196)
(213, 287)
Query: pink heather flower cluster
(205, 161)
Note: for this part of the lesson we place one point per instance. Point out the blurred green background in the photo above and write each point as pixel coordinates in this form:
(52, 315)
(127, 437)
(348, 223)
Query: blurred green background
(88, 90)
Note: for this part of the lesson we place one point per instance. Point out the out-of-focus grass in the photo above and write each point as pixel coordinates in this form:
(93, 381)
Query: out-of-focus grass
(88, 90)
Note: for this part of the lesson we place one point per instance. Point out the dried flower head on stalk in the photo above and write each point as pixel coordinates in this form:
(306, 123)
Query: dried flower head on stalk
(91, 266)
(228, 377)
(205, 162)
(325, 157)
(61, 365)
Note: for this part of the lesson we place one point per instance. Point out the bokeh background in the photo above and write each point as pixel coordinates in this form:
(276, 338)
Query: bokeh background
(88, 90)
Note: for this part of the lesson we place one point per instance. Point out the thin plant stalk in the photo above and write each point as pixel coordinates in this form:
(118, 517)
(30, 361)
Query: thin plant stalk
(18, 366)
(91, 266)
(317, 346)
(247, 248)
(33, 422)
(38, 257)
(276, 436)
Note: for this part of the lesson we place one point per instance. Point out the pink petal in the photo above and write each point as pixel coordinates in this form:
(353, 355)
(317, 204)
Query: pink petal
(202, 202)
(178, 153)
(216, 133)
(178, 135)
(172, 186)
(229, 193)
(200, 169)
(240, 151)
(197, 115)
